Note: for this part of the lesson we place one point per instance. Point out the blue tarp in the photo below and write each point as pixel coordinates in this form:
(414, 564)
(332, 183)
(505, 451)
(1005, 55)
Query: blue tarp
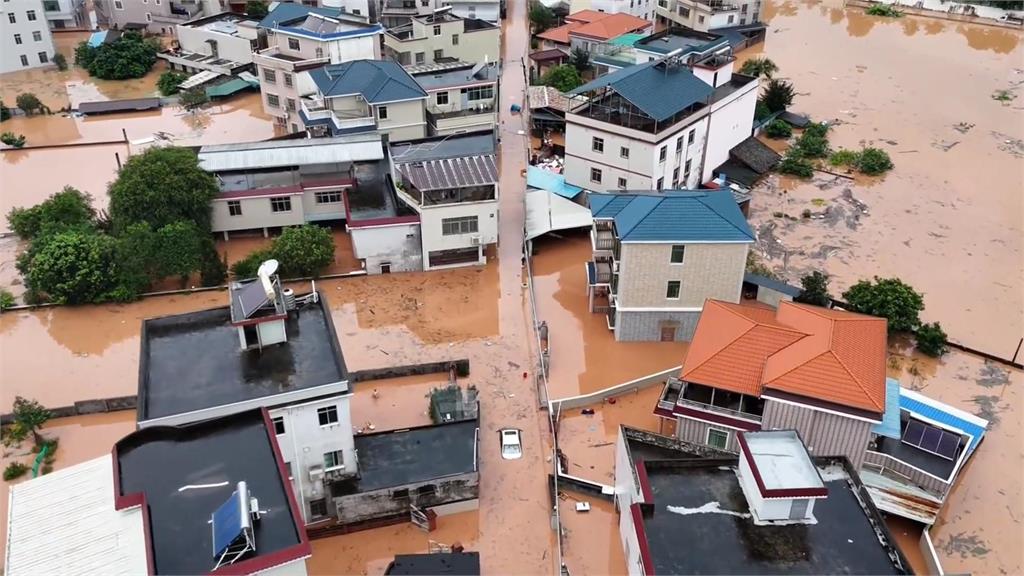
(942, 414)
(890, 425)
(227, 524)
(97, 38)
(544, 180)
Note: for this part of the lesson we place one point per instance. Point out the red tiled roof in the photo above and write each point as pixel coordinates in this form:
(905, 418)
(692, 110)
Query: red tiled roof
(594, 25)
(829, 355)
(559, 35)
(585, 16)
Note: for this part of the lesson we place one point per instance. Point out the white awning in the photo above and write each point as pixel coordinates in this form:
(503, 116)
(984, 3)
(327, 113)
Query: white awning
(547, 212)
(198, 79)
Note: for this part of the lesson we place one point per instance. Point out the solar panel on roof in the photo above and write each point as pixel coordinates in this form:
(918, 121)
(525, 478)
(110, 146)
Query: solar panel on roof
(912, 435)
(931, 439)
(227, 524)
(252, 297)
(949, 445)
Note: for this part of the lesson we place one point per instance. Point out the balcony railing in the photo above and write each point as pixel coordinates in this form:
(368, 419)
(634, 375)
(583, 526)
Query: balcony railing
(610, 317)
(603, 239)
(474, 110)
(602, 271)
(274, 58)
(718, 410)
(670, 394)
(316, 109)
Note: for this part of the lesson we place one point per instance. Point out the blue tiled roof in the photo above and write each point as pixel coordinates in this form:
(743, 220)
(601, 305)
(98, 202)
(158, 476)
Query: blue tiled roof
(287, 14)
(547, 180)
(943, 414)
(890, 424)
(377, 81)
(675, 216)
(658, 90)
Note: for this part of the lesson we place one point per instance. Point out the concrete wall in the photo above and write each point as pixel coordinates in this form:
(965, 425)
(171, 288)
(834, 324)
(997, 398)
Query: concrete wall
(473, 46)
(707, 271)
(396, 244)
(369, 505)
(655, 379)
(295, 568)
(732, 121)
(772, 297)
(489, 10)
(646, 326)
(701, 18)
(641, 8)
(431, 230)
(337, 50)
(406, 120)
(824, 433)
(696, 431)
(305, 442)
(234, 48)
(11, 52)
(921, 478)
(627, 491)
(256, 214)
(469, 123)
(318, 211)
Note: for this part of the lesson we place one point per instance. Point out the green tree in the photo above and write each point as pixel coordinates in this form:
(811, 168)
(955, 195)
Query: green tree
(179, 249)
(931, 339)
(14, 470)
(778, 129)
(888, 298)
(137, 261)
(304, 250)
(30, 416)
(169, 82)
(193, 99)
(778, 95)
(563, 78)
(815, 289)
(246, 267)
(758, 67)
(6, 299)
(214, 269)
(130, 56)
(256, 8)
(5, 112)
(29, 103)
(162, 186)
(795, 164)
(73, 267)
(812, 146)
(13, 140)
(541, 17)
(60, 61)
(580, 59)
(874, 161)
(67, 208)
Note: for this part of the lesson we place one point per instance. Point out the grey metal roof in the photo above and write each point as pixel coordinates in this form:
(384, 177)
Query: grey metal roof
(450, 173)
(777, 285)
(377, 81)
(756, 155)
(658, 89)
(438, 147)
(673, 216)
(462, 76)
(351, 148)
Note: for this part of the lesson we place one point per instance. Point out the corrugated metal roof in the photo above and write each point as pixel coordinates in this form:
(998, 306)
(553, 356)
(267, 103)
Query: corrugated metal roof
(944, 414)
(352, 148)
(65, 523)
(674, 216)
(450, 173)
(547, 180)
(377, 81)
(890, 424)
(656, 88)
(129, 105)
(902, 499)
(547, 212)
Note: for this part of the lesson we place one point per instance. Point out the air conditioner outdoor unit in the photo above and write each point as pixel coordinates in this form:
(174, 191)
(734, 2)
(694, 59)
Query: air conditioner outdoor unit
(316, 473)
(474, 240)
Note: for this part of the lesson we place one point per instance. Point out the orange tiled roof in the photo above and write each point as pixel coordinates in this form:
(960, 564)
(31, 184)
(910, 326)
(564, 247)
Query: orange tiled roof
(560, 34)
(829, 355)
(611, 26)
(585, 16)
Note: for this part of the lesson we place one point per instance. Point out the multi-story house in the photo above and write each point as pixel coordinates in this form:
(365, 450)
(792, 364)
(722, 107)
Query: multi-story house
(396, 13)
(589, 30)
(460, 96)
(657, 257)
(222, 43)
(662, 124)
(64, 14)
(364, 95)
(301, 38)
(452, 182)
(639, 8)
(153, 16)
(26, 41)
(489, 10)
(704, 15)
(442, 37)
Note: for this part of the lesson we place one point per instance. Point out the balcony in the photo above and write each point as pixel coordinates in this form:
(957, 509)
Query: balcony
(602, 239)
(718, 401)
(473, 110)
(316, 111)
(610, 316)
(273, 58)
(179, 12)
(670, 394)
(602, 272)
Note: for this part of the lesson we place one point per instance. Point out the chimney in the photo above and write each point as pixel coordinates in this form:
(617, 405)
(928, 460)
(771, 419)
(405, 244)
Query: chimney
(778, 477)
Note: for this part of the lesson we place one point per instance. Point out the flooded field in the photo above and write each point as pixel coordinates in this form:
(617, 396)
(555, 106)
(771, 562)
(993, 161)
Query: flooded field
(948, 219)
(592, 543)
(584, 354)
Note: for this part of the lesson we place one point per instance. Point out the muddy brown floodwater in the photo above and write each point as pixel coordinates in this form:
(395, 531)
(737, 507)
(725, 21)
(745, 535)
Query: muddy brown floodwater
(948, 218)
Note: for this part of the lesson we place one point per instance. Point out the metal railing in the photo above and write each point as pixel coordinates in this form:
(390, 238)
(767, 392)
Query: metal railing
(718, 409)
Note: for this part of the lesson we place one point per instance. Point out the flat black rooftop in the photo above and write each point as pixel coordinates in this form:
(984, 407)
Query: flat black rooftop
(930, 463)
(454, 564)
(159, 462)
(389, 459)
(843, 541)
(194, 361)
(440, 147)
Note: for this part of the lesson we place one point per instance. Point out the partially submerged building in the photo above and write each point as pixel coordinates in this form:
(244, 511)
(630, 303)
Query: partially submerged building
(222, 44)
(707, 15)
(25, 38)
(168, 500)
(461, 97)
(441, 37)
(453, 563)
(657, 257)
(774, 509)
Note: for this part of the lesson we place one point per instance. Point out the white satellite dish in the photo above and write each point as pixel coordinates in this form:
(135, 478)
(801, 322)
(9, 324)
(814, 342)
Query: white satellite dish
(265, 271)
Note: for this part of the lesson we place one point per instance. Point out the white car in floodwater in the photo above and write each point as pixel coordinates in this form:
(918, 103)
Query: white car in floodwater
(511, 444)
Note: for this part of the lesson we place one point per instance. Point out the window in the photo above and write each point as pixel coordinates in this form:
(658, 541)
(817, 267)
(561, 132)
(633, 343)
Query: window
(333, 459)
(717, 438)
(686, 172)
(661, 183)
(622, 183)
(426, 490)
(382, 112)
(234, 207)
(455, 226)
(442, 98)
(731, 18)
(278, 424)
(17, 39)
(290, 105)
(437, 30)
(319, 52)
(281, 204)
(480, 93)
(597, 144)
(273, 101)
(327, 415)
(595, 175)
(149, 17)
(420, 58)
(288, 468)
(455, 39)
(24, 60)
(318, 508)
(356, 11)
(677, 254)
(679, 145)
(330, 197)
(623, 152)
(675, 177)
(37, 36)
(118, 5)
(662, 153)
(672, 292)
(400, 494)
(288, 80)
(31, 15)
(13, 19)
(270, 75)
(662, 4)
(684, 11)
(700, 19)
(293, 43)
(438, 54)
(743, 9)
(424, 2)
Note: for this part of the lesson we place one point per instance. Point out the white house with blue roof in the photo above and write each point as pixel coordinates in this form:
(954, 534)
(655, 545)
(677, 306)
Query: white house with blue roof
(664, 124)
(657, 257)
(302, 38)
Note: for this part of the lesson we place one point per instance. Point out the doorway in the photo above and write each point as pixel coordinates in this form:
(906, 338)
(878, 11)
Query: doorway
(668, 333)
(385, 268)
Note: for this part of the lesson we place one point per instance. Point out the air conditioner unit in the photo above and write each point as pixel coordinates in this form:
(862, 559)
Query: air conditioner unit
(474, 240)
(316, 473)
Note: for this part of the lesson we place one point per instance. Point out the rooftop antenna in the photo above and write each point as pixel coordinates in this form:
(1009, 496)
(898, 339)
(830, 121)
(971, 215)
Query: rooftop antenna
(265, 271)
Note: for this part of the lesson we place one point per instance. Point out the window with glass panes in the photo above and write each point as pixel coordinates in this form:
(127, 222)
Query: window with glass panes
(281, 204)
(464, 225)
